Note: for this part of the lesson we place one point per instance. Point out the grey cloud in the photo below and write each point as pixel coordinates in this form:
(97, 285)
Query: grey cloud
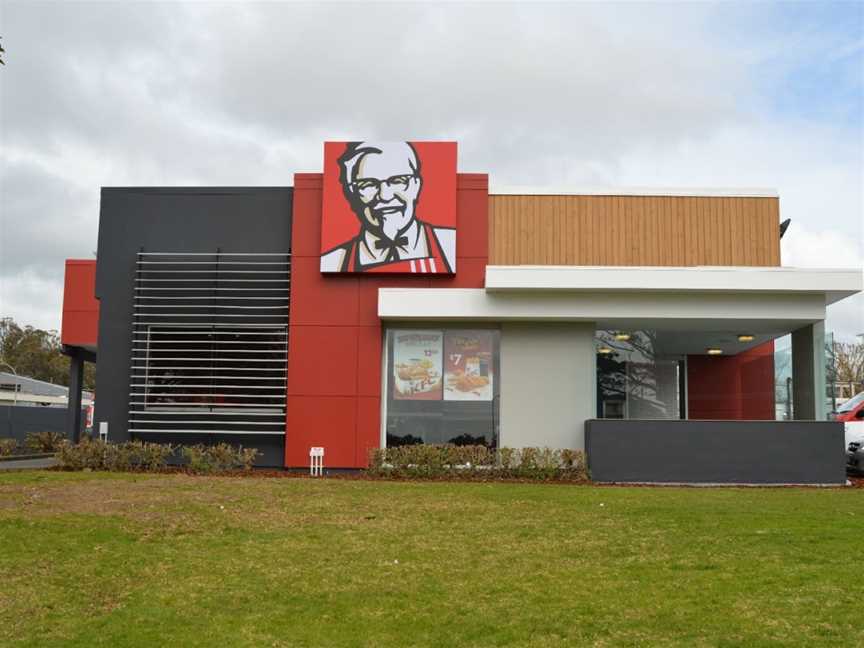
(210, 93)
(45, 220)
(511, 76)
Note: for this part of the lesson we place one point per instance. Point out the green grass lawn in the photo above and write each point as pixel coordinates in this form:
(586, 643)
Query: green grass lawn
(132, 560)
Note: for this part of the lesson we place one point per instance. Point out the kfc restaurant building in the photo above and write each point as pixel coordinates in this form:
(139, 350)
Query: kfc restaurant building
(391, 299)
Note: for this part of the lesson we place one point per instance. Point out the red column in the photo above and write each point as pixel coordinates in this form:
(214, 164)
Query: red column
(334, 351)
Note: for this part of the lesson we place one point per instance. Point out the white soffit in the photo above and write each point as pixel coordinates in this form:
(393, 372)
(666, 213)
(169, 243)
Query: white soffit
(832, 284)
(640, 309)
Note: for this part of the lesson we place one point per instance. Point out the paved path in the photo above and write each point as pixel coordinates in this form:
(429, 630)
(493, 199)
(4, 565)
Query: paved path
(27, 464)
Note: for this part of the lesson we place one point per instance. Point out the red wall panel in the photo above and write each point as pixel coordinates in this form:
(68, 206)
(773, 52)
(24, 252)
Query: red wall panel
(471, 272)
(369, 344)
(327, 300)
(472, 217)
(334, 355)
(757, 384)
(305, 228)
(80, 320)
(328, 422)
(322, 361)
(369, 285)
(739, 387)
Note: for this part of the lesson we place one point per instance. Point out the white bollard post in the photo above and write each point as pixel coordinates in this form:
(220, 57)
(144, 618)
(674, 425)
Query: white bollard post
(316, 462)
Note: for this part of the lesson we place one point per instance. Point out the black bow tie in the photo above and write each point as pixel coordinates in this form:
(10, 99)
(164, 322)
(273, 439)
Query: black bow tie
(390, 246)
(399, 241)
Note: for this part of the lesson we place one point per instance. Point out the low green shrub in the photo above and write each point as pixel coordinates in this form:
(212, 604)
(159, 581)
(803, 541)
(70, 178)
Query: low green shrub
(477, 462)
(44, 441)
(95, 454)
(8, 447)
(89, 454)
(200, 459)
(222, 457)
(152, 456)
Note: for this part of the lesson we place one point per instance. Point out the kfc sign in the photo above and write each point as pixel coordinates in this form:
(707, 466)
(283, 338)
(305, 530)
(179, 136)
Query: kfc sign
(389, 207)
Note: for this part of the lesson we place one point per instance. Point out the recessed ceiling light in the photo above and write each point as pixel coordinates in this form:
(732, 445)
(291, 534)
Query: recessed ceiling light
(714, 351)
(623, 337)
(604, 350)
(745, 337)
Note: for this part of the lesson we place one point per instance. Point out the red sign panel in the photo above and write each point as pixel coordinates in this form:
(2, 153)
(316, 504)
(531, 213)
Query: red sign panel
(389, 207)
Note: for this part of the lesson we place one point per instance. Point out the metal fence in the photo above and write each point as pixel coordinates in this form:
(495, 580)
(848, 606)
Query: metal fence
(18, 421)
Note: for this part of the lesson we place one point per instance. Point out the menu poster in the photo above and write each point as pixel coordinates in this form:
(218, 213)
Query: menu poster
(468, 370)
(417, 365)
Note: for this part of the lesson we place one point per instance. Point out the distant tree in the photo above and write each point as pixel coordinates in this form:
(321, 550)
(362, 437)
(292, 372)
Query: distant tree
(848, 363)
(38, 354)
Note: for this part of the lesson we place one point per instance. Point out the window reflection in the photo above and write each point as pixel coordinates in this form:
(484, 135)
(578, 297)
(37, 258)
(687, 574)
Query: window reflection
(633, 380)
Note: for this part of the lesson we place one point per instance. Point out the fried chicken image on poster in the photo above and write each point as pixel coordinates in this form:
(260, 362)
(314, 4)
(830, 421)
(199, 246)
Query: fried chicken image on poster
(389, 207)
(417, 365)
(469, 369)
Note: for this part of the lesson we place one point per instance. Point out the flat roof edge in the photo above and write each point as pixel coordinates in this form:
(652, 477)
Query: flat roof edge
(834, 283)
(694, 192)
(699, 269)
(194, 189)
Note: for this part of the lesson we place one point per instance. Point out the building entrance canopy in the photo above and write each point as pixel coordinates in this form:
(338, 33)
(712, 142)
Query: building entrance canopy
(767, 302)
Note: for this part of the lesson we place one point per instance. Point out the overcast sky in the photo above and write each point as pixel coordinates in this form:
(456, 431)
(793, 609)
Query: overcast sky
(669, 95)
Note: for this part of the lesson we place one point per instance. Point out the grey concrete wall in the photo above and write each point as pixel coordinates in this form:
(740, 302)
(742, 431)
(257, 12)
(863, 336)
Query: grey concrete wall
(166, 219)
(547, 384)
(18, 421)
(745, 452)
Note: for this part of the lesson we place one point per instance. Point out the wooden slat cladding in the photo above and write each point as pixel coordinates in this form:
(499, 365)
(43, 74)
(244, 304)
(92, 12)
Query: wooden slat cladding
(633, 230)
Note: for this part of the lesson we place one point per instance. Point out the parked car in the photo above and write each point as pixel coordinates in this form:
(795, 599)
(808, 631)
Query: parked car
(855, 457)
(851, 414)
(851, 410)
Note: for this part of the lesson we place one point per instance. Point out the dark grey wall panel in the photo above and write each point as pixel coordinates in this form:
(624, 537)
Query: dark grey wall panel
(187, 220)
(17, 421)
(746, 452)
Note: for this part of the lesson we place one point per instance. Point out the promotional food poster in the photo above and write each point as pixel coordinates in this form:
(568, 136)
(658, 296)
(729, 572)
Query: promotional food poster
(468, 370)
(417, 370)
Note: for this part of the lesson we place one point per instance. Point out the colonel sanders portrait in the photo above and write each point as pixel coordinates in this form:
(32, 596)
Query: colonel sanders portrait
(382, 182)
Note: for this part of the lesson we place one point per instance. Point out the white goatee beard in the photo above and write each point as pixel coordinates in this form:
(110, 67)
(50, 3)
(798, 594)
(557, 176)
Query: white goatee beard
(391, 228)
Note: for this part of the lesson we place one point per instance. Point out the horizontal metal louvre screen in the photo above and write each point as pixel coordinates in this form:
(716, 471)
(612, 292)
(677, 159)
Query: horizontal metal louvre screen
(209, 343)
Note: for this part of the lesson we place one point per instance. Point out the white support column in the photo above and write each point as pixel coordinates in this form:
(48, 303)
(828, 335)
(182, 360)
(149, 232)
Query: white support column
(808, 373)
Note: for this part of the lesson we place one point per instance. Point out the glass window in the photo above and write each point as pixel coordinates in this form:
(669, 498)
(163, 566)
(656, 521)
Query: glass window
(218, 368)
(442, 386)
(783, 378)
(634, 381)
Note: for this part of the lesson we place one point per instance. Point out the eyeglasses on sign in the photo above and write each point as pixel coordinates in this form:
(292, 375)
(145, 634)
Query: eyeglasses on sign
(368, 188)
